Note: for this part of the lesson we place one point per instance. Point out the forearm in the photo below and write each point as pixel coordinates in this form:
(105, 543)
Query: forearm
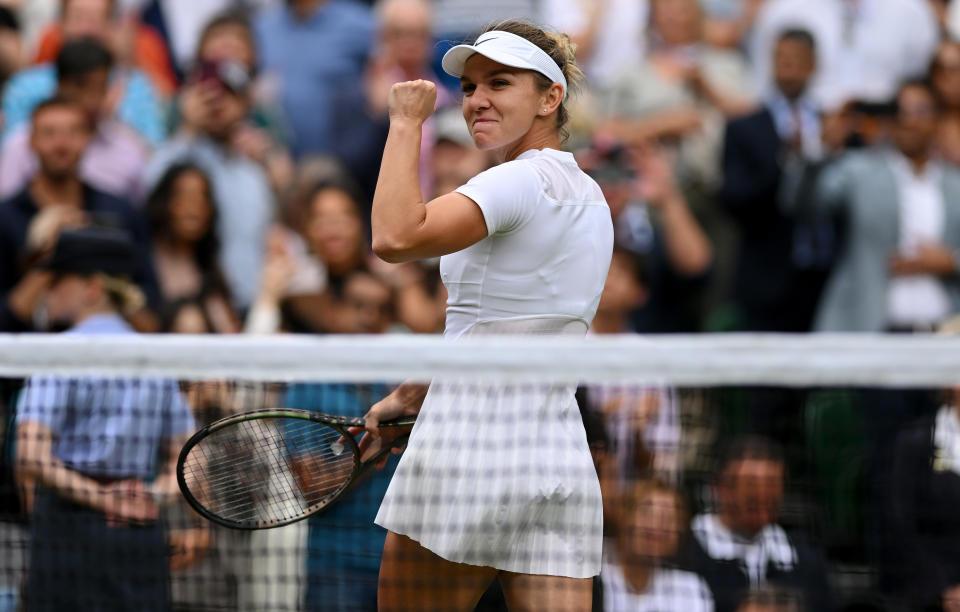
(67, 483)
(398, 206)
(411, 396)
(687, 246)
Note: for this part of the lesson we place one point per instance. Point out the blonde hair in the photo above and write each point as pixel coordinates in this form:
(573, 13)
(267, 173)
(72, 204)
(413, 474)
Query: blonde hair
(561, 49)
(126, 297)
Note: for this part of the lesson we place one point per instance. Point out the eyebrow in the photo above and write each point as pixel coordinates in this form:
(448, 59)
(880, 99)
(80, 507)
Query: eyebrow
(495, 72)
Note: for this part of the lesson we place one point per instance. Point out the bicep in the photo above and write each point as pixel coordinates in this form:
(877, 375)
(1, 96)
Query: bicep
(451, 223)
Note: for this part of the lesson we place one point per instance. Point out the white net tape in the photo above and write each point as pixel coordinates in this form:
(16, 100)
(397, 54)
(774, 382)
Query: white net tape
(678, 360)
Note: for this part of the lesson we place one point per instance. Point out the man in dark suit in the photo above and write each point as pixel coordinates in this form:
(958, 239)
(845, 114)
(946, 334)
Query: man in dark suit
(781, 264)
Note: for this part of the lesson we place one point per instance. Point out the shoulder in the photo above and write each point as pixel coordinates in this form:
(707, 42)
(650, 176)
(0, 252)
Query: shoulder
(101, 201)
(519, 173)
(745, 124)
(683, 586)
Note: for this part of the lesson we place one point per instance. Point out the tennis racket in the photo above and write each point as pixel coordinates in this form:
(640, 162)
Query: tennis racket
(269, 468)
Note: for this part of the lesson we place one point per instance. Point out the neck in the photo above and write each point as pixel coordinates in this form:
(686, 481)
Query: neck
(726, 521)
(918, 161)
(541, 136)
(638, 570)
(304, 8)
(48, 190)
(176, 247)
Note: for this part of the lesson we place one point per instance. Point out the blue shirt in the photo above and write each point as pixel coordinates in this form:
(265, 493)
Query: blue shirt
(312, 58)
(345, 536)
(111, 427)
(139, 107)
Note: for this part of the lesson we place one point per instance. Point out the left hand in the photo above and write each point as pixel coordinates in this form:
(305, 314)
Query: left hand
(929, 259)
(656, 184)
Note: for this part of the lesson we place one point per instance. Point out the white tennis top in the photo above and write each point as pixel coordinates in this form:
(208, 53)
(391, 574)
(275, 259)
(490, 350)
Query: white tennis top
(548, 248)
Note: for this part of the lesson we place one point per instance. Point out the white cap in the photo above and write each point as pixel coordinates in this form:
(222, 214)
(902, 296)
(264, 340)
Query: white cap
(507, 49)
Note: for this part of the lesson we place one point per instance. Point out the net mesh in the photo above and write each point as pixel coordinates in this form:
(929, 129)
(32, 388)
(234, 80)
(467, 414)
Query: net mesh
(789, 473)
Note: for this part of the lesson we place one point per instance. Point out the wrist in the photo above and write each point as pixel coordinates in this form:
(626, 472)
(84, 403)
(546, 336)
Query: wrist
(403, 122)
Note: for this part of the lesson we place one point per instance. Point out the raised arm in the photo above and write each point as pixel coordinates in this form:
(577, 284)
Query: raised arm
(404, 228)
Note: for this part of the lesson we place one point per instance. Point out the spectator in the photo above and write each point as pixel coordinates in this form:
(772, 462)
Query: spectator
(133, 99)
(945, 77)
(781, 264)
(403, 53)
(183, 220)
(653, 221)
(56, 198)
(637, 572)
(864, 51)
(610, 34)
(134, 43)
(314, 48)
(681, 93)
(895, 269)
(181, 23)
(740, 546)
(214, 106)
(344, 546)
(115, 156)
(91, 445)
(925, 527)
(263, 136)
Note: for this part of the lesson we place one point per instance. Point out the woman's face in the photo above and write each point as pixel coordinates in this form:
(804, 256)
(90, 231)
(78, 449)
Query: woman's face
(334, 229)
(653, 529)
(191, 211)
(677, 21)
(500, 103)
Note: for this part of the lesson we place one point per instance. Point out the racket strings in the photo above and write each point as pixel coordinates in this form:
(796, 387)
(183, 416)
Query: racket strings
(265, 471)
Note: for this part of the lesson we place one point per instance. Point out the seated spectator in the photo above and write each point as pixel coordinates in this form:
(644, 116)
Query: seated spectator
(945, 77)
(134, 101)
(637, 572)
(183, 221)
(263, 136)
(313, 48)
(681, 93)
(181, 22)
(116, 155)
(863, 50)
(901, 209)
(124, 35)
(402, 53)
(213, 111)
(925, 526)
(57, 198)
(740, 546)
(653, 221)
(642, 423)
(781, 264)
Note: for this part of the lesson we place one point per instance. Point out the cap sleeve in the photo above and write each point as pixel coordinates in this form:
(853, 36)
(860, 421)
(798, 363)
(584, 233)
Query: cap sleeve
(506, 194)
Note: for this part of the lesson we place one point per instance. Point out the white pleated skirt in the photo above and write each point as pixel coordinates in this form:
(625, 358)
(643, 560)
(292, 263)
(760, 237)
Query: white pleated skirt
(500, 475)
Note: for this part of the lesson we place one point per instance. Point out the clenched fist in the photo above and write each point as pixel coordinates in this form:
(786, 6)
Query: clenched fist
(413, 100)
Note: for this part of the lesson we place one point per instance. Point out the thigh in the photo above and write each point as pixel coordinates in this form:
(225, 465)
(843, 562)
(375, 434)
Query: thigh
(527, 592)
(413, 578)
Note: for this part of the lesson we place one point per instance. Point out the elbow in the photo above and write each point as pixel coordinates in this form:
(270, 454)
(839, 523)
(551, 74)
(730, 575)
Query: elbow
(390, 251)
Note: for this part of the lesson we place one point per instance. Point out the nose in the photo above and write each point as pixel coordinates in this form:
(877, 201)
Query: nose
(478, 100)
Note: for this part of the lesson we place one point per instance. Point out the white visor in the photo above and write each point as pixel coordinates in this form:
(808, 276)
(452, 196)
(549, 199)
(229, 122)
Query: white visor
(507, 49)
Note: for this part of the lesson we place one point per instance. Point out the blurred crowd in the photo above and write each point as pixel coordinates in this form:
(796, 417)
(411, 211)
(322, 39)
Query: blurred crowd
(770, 165)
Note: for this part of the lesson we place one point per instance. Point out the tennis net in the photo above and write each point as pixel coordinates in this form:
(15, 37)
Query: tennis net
(792, 472)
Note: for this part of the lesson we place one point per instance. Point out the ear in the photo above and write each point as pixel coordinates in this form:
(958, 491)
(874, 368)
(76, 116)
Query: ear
(550, 100)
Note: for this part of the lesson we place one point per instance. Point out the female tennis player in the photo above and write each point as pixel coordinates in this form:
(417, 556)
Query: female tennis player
(497, 481)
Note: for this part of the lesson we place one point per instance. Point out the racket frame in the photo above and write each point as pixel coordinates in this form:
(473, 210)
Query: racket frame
(339, 423)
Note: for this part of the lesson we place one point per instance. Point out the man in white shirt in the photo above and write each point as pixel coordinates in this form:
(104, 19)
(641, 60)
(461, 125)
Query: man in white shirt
(865, 47)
